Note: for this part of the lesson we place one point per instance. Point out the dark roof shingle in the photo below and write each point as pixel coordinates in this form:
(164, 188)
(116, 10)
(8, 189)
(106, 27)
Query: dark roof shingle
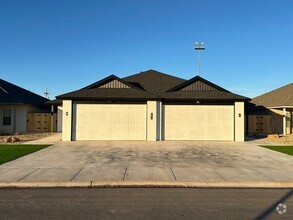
(12, 94)
(148, 85)
(154, 81)
(106, 94)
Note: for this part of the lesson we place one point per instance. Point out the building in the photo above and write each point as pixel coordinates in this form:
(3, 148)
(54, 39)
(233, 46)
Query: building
(15, 104)
(271, 113)
(152, 106)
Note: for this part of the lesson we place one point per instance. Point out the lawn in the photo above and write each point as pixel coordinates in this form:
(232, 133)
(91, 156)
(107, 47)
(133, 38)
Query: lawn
(10, 152)
(282, 149)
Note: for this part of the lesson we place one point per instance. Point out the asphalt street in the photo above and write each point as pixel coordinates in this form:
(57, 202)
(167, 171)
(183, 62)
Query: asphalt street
(145, 203)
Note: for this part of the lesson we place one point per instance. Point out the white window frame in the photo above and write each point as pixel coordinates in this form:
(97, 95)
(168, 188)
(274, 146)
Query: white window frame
(3, 116)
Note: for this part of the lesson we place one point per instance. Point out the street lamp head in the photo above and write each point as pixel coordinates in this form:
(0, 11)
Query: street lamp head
(199, 46)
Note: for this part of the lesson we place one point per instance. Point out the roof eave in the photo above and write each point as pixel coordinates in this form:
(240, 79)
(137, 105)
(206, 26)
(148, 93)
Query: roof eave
(194, 79)
(108, 98)
(281, 106)
(207, 100)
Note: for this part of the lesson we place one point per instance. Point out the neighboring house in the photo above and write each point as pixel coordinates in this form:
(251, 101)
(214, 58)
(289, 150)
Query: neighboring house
(57, 105)
(15, 103)
(152, 106)
(271, 112)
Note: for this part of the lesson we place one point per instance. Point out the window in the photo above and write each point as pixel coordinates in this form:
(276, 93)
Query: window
(6, 116)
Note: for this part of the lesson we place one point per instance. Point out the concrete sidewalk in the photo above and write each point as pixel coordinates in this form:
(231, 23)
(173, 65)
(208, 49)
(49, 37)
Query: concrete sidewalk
(126, 164)
(53, 139)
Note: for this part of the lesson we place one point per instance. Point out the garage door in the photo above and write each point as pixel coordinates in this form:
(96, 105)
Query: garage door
(109, 122)
(201, 122)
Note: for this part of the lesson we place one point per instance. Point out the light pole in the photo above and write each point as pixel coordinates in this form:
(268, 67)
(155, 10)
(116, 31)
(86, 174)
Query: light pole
(199, 47)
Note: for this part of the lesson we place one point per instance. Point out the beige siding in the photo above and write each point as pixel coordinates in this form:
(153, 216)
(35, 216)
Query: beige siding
(190, 122)
(109, 122)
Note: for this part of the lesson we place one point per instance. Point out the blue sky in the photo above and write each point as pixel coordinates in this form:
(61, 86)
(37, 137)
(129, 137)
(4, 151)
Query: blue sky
(67, 44)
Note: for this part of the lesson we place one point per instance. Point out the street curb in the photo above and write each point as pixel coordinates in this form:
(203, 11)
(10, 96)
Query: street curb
(146, 184)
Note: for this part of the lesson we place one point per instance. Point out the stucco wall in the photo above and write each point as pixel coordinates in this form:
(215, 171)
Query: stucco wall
(59, 119)
(239, 121)
(67, 120)
(277, 121)
(153, 120)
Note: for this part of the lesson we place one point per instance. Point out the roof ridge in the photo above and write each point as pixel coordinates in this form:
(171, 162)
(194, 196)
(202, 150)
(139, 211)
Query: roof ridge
(158, 72)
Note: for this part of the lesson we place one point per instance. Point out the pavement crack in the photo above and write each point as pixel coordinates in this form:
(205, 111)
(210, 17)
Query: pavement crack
(28, 174)
(219, 174)
(173, 173)
(76, 174)
(124, 174)
(263, 174)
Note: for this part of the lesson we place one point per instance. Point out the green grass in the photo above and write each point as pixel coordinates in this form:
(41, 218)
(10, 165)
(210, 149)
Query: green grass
(10, 152)
(282, 149)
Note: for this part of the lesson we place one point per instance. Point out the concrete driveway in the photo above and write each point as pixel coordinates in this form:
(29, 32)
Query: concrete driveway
(150, 161)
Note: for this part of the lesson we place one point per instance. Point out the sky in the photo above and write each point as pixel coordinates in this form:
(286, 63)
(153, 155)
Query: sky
(65, 45)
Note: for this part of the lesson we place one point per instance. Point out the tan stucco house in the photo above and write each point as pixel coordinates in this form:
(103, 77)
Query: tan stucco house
(272, 112)
(152, 106)
(15, 103)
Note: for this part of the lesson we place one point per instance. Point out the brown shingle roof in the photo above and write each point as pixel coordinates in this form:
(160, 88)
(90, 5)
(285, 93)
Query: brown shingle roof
(279, 97)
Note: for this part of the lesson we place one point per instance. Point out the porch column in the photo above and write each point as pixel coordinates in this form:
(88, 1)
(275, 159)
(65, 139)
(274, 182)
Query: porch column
(284, 121)
(67, 120)
(239, 133)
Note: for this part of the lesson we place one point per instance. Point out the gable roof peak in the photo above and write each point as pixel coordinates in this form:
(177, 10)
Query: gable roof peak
(152, 72)
(108, 79)
(193, 85)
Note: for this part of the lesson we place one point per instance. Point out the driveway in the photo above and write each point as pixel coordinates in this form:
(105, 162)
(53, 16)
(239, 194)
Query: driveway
(150, 161)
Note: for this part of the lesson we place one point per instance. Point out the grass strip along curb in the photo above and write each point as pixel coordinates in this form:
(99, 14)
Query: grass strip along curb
(9, 152)
(283, 149)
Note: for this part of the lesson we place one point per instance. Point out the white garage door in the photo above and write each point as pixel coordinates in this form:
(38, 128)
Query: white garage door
(109, 122)
(200, 122)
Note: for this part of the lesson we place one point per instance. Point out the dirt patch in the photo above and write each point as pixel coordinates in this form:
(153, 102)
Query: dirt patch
(288, 139)
(25, 137)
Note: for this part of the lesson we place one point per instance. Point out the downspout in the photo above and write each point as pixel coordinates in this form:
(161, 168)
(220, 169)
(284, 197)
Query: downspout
(291, 122)
(14, 119)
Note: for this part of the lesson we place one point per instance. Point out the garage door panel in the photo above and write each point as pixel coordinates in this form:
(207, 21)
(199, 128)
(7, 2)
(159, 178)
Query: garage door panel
(109, 122)
(190, 122)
